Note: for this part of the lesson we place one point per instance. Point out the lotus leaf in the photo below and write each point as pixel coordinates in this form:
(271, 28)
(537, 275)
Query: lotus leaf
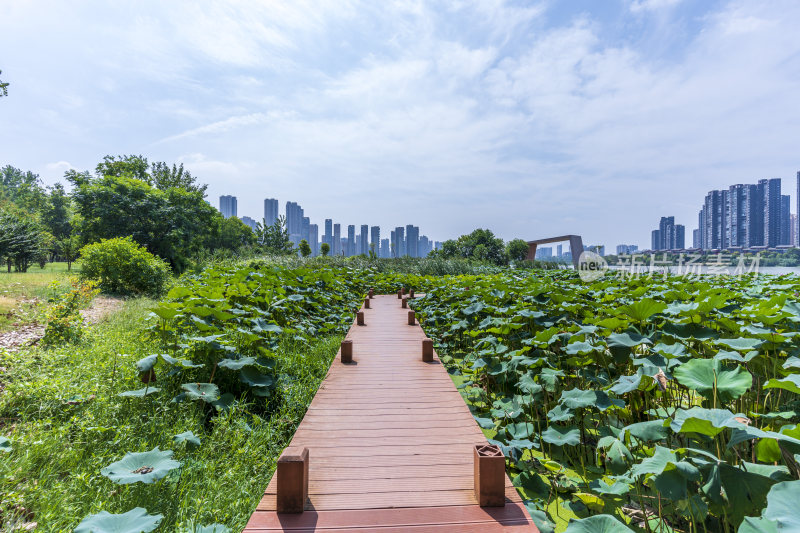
(144, 467)
(790, 383)
(533, 485)
(208, 392)
(562, 436)
(237, 364)
(188, 437)
(5, 445)
(702, 375)
(601, 523)
(134, 521)
(146, 391)
(709, 422)
(757, 525)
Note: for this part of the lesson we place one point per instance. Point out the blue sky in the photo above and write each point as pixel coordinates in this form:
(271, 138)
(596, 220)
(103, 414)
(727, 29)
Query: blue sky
(532, 119)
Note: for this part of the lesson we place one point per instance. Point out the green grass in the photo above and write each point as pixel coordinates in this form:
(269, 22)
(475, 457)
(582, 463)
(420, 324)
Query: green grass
(61, 411)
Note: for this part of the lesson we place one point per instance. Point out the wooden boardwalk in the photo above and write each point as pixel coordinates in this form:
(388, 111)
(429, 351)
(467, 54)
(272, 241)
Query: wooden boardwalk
(390, 443)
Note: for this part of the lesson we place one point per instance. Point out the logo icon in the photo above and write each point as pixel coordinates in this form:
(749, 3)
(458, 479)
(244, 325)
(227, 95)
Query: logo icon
(591, 266)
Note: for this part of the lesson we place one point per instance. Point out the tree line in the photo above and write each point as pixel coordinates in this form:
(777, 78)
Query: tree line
(161, 206)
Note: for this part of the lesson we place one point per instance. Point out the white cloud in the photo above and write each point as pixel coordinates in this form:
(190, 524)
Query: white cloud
(638, 6)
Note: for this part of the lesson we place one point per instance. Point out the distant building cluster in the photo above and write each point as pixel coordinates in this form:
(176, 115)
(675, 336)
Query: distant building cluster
(749, 217)
(746, 216)
(403, 241)
(668, 236)
(627, 249)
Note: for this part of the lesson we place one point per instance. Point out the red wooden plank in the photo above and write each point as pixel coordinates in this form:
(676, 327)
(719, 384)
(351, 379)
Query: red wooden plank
(390, 441)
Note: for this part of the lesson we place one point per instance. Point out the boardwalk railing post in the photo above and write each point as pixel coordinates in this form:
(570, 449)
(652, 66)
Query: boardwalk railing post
(360, 318)
(371, 293)
(399, 294)
(427, 350)
(292, 480)
(347, 351)
(490, 475)
(411, 294)
(404, 303)
(366, 303)
(412, 321)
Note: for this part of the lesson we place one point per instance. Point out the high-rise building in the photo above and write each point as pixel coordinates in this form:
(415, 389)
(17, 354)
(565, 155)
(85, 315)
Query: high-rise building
(697, 242)
(412, 240)
(797, 207)
(714, 216)
(270, 211)
(227, 206)
(313, 239)
(328, 236)
(375, 240)
(655, 240)
(385, 249)
(438, 245)
(544, 252)
(786, 220)
(793, 220)
(771, 190)
(399, 241)
(623, 249)
(336, 247)
(363, 240)
(294, 222)
(423, 246)
(304, 229)
(249, 222)
(559, 250)
(351, 240)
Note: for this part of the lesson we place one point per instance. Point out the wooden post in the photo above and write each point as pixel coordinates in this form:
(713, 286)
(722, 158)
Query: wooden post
(402, 290)
(360, 318)
(292, 480)
(490, 475)
(399, 294)
(412, 319)
(347, 351)
(371, 293)
(366, 303)
(404, 303)
(411, 294)
(427, 350)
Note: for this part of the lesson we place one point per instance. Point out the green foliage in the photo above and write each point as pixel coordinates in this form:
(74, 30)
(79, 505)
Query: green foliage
(274, 239)
(23, 189)
(22, 241)
(645, 389)
(64, 322)
(56, 213)
(3, 87)
(480, 245)
(517, 250)
(325, 249)
(174, 224)
(231, 234)
(304, 247)
(120, 266)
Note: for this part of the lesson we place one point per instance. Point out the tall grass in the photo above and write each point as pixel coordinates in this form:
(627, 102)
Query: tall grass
(61, 411)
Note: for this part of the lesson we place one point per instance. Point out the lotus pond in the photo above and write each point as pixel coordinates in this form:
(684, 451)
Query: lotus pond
(622, 404)
(658, 404)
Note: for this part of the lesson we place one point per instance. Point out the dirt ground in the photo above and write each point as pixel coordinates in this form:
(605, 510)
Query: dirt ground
(29, 334)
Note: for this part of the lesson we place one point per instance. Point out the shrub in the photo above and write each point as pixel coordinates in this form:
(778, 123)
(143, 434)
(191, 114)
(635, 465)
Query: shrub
(121, 266)
(64, 322)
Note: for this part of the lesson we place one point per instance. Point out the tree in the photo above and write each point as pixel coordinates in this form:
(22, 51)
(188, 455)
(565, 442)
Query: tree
(163, 177)
(231, 234)
(24, 189)
(55, 215)
(305, 249)
(275, 238)
(22, 241)
(481, 244)
(325, 248)
(68, 248)
(174, 224)
(3, 87)
(517, 250)
(124, 166)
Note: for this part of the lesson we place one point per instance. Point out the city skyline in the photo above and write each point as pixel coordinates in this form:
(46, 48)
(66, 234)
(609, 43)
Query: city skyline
(299, 227)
